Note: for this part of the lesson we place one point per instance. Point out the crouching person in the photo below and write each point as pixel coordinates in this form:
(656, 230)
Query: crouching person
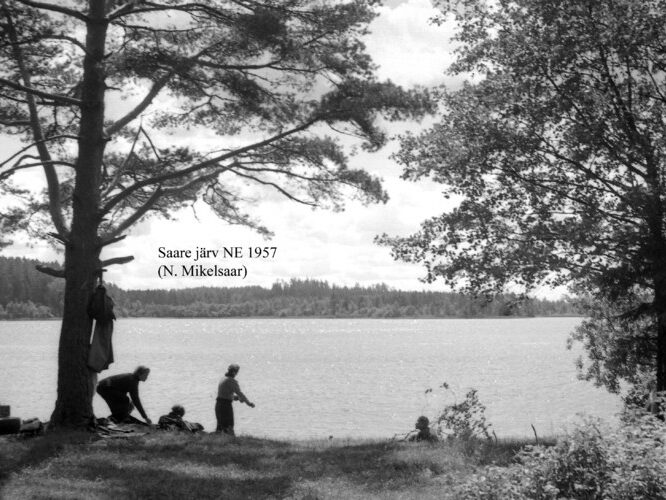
(115, 390)
(424, 433)
(174, 421)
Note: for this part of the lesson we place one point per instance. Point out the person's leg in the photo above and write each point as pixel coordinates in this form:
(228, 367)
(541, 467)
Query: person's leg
(122, 408)
(118, 403)
(220, 414)
(225, 416)
(106, 393)
(229, 419)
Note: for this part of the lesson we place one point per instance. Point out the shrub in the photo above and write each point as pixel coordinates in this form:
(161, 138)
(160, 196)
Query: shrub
(463, 420)
(593, 462)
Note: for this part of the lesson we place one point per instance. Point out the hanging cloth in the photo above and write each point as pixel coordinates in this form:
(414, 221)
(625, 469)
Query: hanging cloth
(100, 309)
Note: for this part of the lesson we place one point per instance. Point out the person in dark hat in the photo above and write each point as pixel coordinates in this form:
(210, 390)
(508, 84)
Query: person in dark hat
(228, 391)
(115, 389)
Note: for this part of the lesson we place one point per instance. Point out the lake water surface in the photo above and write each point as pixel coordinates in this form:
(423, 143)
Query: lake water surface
(320, 377)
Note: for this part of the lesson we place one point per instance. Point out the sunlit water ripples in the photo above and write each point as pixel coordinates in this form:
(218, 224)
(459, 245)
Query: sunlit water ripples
(322, 377)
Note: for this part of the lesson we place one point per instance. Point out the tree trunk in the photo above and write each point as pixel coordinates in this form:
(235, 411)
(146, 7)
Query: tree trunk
(75, 381)
(656, 251)
(660, 303)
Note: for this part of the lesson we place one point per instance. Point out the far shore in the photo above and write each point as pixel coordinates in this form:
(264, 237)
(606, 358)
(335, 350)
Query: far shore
(316, 317)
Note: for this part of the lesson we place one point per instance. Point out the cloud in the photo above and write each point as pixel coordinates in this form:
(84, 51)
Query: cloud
(407, 47)
(336, 247)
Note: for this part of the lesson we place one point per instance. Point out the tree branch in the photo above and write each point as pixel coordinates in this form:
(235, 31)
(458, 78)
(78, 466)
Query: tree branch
(147, 100)
(56, 8)
(46, 95)
(111, 241)
(154, 7)
(53, 184)
(512, 172)
(56, 273)
(241, 67)
(34, 144)
(204, 164)
(117, 260)
(122, 9)
(70, 39)
(570, 100)
(200, 179)
(40, 38)
(280, 189)
(60, 238)
(286, 173)
(18, 166)
(121, 169)
(140, 212)
(17, 123)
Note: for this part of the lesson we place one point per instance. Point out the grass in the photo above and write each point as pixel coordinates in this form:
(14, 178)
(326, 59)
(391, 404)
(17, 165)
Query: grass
(164, 465)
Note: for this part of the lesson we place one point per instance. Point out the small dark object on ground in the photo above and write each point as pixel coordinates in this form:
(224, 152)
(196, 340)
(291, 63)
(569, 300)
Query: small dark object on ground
(10, 425)
(14, 425)
(32, 427)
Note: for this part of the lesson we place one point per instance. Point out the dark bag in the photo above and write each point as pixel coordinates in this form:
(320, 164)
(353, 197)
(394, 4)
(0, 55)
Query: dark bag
(100, 307)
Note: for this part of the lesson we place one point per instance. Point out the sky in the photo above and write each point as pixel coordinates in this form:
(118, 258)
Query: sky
(335, 247)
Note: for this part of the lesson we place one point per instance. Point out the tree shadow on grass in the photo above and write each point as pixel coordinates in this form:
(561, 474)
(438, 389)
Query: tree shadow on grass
(154, 482)
(307, 460)
(108, 481)
(375, 465)
(211, 466)
(18, 452)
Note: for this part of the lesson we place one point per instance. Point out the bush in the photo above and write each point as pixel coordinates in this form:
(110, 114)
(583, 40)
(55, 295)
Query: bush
(463, 420)
(594, 462)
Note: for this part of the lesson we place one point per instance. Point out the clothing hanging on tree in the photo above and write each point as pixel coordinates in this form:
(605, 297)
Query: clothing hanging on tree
(100, 309)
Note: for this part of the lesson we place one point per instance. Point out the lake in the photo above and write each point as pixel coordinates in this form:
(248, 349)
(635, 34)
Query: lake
(327, 377)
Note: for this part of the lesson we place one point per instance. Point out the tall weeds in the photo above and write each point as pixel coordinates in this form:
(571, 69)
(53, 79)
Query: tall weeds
(593, 462)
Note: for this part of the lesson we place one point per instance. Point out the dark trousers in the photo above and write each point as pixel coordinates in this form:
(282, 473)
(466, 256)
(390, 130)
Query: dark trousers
(224, 413)
(118, 402)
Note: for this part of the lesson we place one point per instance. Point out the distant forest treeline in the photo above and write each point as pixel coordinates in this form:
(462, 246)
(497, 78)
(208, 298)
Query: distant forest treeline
(27, 293)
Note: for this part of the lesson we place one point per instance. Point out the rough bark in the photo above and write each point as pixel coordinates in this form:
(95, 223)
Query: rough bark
(661, 350)
(75, 381)
(660, 311)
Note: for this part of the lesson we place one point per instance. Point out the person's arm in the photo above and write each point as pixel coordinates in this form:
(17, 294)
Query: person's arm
(134, 394)
(241, 397)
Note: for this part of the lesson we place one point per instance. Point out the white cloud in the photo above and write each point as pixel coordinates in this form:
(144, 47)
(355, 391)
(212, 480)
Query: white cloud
(407, 47)
(337, 247)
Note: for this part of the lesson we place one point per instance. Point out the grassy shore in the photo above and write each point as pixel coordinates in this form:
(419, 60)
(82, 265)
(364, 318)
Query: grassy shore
(163, 465)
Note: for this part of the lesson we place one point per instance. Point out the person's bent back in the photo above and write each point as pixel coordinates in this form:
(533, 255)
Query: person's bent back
(115, 389)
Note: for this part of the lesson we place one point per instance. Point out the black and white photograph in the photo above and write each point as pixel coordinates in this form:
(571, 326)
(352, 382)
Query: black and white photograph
(333, 249)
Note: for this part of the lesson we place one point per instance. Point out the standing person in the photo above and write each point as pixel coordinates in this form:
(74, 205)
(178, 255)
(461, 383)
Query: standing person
(228, 391)
(114, 391)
